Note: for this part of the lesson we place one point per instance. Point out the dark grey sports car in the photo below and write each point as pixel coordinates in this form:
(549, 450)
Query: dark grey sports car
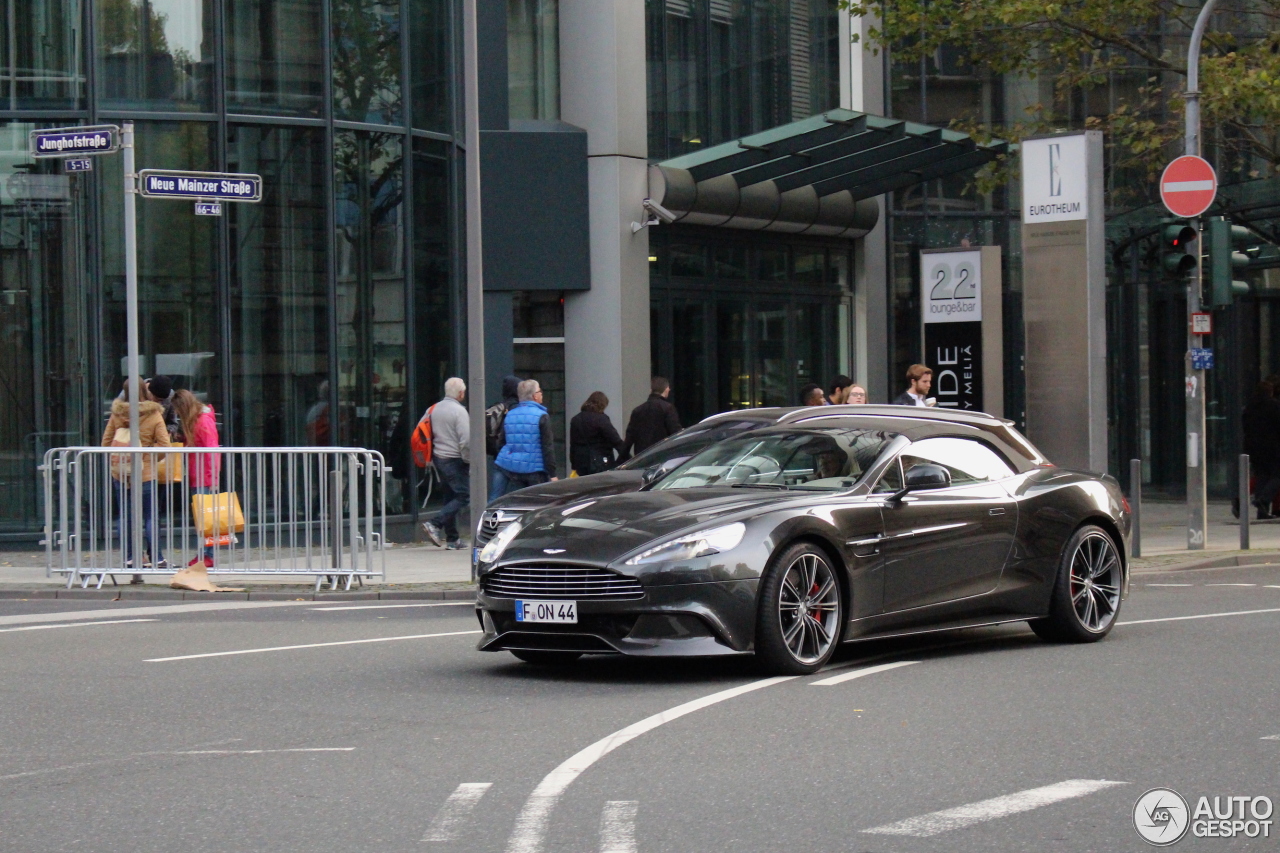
(847, 523)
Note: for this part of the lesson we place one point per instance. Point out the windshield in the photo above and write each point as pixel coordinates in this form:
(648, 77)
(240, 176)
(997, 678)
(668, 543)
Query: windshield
(684, 444)
(830, 459)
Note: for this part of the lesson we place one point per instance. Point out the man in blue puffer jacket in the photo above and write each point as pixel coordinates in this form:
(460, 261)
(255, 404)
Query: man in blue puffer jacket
(526, 458)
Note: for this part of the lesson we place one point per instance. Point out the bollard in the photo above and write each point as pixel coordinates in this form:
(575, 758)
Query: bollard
(1135, 501)
(1244, 502)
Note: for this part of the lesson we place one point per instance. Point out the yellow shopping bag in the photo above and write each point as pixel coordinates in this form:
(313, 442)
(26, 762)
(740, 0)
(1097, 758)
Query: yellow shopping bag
(217, 515)
(170, 470)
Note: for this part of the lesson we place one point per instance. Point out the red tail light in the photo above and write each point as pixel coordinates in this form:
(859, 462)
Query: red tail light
(1124, 502)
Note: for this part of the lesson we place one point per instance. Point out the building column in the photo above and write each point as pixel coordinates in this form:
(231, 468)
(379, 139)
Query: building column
(862, 89)
(602, 90)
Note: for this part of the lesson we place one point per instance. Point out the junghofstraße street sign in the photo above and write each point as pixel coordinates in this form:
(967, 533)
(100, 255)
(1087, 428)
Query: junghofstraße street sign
(1188, 186)
(75, 141)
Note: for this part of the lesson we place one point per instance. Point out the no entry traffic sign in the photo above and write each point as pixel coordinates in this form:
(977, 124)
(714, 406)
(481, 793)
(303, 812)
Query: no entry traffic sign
(1188, 186)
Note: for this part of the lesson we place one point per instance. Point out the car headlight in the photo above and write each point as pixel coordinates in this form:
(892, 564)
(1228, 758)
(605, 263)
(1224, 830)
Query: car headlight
(493, 550)
(699, 544)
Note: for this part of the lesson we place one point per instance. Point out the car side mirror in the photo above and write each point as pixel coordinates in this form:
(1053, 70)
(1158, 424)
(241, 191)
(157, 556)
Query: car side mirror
(924, 475)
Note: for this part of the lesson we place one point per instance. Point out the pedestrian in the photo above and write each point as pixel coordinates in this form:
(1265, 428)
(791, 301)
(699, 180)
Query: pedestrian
(653, 420)
(161, 390)
(494, 434)
(919, 381)
(451, 455)
(593, 438)
(855, 395)
(151, 433)
(526, 457)
(1261, 424)
(811, 395)
(839, 386)
(199, 429)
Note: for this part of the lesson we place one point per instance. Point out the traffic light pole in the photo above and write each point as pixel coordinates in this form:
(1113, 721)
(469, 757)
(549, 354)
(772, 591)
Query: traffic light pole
(1197, 499)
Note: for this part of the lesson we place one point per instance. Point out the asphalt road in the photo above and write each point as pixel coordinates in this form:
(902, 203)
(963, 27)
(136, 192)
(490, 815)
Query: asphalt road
(985, 740)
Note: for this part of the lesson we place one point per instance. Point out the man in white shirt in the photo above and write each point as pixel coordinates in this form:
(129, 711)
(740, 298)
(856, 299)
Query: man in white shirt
(920, 379)
(451, 456)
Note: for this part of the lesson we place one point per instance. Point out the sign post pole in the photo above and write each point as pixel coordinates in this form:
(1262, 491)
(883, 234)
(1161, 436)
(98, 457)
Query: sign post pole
(1197, 499)
(131, 334)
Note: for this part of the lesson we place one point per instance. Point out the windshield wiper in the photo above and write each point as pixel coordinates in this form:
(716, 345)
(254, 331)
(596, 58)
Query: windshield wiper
(759, 486)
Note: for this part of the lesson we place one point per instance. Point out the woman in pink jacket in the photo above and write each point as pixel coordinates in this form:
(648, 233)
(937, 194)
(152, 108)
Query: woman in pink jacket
(199, 429)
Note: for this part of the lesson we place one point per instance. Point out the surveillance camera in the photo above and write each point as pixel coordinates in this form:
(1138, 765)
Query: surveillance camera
(659, 211)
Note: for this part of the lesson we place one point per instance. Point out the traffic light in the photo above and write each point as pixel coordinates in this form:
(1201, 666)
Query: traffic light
(1225, 261)
(1175, 236)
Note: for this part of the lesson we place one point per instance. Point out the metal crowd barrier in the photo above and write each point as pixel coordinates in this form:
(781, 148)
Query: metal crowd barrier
(315, 511)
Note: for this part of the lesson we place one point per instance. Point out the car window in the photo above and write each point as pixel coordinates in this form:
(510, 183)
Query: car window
(811, 459)
(890, 481)
(968, 461)
(687, 443)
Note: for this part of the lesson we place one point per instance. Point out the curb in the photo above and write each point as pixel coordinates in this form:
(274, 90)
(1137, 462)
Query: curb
(126, 594)
(1241, 560)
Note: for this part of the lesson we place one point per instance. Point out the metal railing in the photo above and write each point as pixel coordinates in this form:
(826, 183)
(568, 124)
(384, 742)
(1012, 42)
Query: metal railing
(313, 511)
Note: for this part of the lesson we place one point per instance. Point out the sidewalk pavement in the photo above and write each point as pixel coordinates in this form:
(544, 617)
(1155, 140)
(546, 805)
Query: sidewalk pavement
(425, 571)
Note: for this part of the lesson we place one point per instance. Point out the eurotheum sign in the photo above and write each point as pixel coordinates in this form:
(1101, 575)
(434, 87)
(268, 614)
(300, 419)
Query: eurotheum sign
(951, 297)
(1055, 185)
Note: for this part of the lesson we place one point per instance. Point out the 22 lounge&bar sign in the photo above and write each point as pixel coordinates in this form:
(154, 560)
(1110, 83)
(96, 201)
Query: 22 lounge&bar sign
(951, 301)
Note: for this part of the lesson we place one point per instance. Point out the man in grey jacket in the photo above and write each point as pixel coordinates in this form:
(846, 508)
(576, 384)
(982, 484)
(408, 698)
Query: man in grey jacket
(451, 456)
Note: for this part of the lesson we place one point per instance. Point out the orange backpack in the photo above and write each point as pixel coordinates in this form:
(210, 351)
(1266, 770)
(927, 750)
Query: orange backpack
(420, 442)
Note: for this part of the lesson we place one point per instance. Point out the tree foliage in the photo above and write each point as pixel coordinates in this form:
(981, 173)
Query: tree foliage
(1123, 60)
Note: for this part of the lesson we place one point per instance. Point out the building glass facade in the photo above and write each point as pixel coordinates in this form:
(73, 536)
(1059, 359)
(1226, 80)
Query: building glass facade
(326, 314)
(742, 318)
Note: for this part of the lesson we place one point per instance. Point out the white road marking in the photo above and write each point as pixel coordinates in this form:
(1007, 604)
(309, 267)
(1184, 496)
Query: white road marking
(1169, 584)
(858, 673)
(444, 827)
(531, 824)
(1273, 586)
(1231, 584)
(618, 826)
(386, 606)
(83, 764)
(154, 610)
(1201, 616)
(74, 625)
(257, 751)
(309, 646)
(1272, 737)
(935, 823)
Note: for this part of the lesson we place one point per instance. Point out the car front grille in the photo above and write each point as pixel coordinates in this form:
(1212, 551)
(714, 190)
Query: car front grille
(560, 582)
(493, 520)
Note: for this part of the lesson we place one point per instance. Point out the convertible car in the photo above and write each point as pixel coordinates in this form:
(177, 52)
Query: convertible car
(843, 523)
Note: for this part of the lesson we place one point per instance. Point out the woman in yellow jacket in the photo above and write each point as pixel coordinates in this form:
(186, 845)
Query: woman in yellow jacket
(152, 432)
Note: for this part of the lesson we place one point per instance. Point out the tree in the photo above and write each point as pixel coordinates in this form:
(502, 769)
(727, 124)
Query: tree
(1085, 46)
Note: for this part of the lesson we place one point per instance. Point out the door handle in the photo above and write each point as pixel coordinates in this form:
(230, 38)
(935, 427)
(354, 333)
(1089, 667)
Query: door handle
(996, 511)
(865, 547)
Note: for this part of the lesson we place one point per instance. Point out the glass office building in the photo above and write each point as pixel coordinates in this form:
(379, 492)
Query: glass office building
(326, 314)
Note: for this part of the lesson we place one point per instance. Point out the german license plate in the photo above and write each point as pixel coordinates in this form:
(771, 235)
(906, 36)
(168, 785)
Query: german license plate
(560, 612)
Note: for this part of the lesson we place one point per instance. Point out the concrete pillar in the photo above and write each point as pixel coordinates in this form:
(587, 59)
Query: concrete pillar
(602, 90)
(862, 89)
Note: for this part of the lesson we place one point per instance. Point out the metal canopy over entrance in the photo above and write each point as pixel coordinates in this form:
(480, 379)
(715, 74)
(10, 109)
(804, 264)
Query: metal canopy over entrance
(819, 175)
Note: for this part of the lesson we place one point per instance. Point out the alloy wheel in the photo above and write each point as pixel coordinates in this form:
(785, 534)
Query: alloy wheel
(809, 608)
(1095, 581)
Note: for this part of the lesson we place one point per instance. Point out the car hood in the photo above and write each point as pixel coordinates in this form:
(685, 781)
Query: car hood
(607, 528)
(571, 489)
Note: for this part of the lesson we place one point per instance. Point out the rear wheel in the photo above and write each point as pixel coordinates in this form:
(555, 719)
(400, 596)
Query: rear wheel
(800, 616)
(1086, 595)
(544, 658)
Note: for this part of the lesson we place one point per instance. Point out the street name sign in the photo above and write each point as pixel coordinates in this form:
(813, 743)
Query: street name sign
(1188, 186)
(211, 186)
(1201, 358)
(75, 141)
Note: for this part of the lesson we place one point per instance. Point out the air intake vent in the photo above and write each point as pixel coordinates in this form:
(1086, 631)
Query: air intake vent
(574, 582)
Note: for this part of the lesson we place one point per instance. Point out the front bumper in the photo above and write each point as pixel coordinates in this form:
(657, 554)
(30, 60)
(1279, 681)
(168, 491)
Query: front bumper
(678, 620)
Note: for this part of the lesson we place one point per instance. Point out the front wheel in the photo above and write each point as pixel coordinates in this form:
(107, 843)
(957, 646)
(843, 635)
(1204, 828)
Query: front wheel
(545, 658)
(800, 616)
(1086, 595)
